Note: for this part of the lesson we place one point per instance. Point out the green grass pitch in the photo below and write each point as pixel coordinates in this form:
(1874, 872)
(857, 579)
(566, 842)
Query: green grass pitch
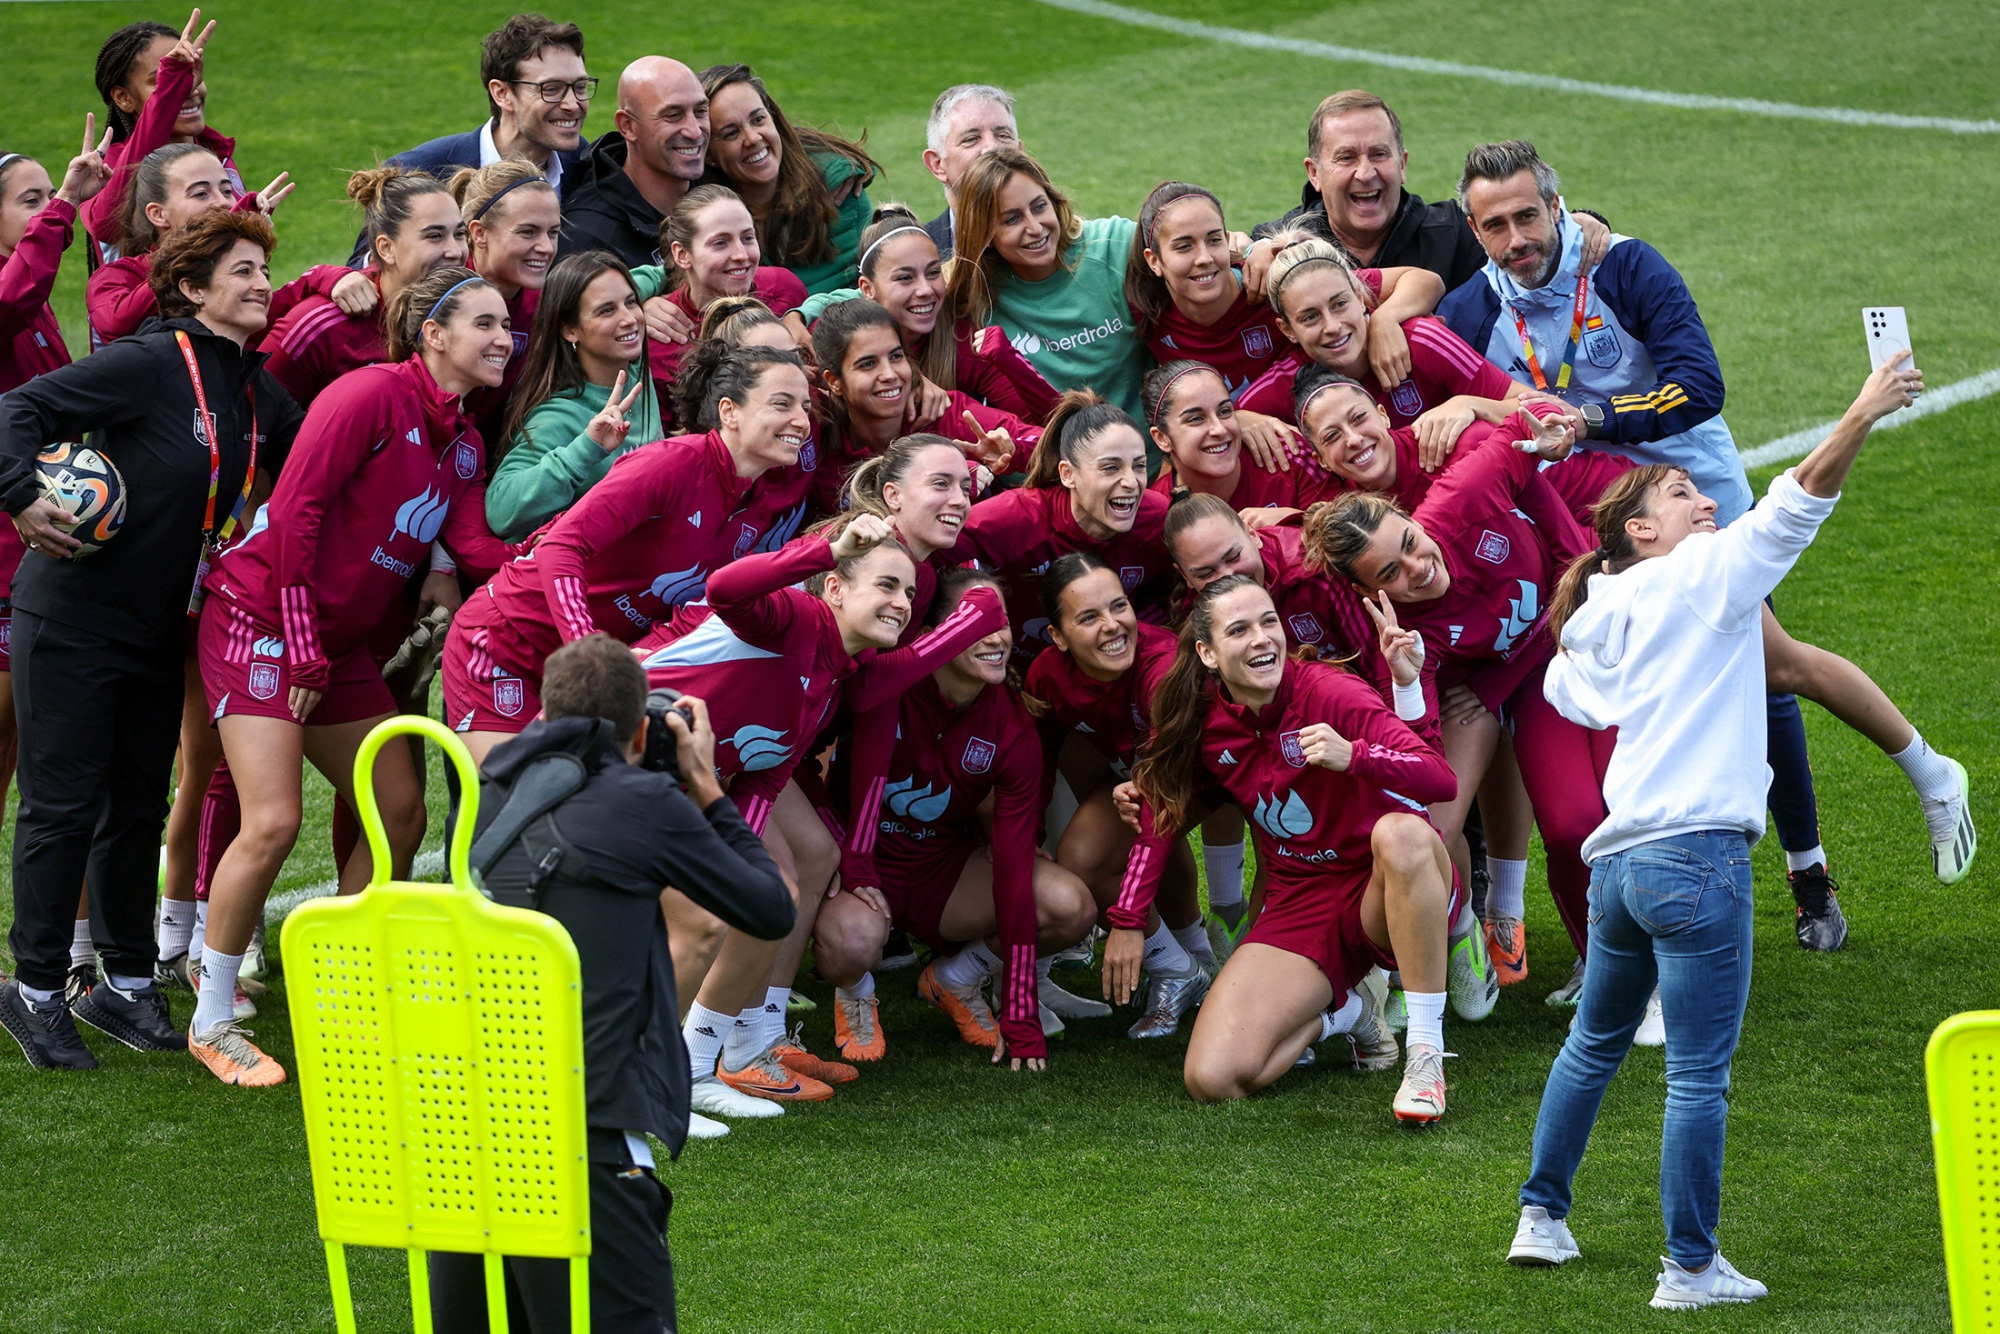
(940, 1194)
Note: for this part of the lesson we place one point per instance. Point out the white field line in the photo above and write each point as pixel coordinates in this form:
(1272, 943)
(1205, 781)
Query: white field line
(1800, 443)
(1300, 46)
(279, 906)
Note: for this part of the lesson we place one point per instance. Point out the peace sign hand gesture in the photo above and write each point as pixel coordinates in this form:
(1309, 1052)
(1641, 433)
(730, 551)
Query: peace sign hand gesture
(994, 448)
(1402, 649)
(608, 429)
(188, 50)
(87, 173)
(863, 533)
(1552, 437)
(274, 194)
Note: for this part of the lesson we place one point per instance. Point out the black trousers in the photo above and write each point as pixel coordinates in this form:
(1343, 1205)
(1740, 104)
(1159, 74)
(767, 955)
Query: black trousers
(99, 720)
(631, 1275)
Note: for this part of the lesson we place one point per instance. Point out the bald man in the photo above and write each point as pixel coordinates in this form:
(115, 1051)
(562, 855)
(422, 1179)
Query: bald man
(629, 180)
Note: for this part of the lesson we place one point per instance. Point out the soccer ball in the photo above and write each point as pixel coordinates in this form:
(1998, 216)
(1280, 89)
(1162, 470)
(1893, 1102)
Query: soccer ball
(88, 485)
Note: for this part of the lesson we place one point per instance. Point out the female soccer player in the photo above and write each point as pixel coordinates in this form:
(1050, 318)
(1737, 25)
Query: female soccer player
(150, 79)
(585, 399)
(710, 246)
(962, 737)
(512, 218)
(729, 322)
(411, 225)
(37, 218)
(285, 651)
(1097, 680)
(170, 187)
(1085, 491)
(1470, 570)
(1356, 877)
(901, 271)
(1661, 632)
(97, 642)
(807, 189)
(1053, 282)
(774, 662)
(868, 383)
(640, 543)
(1201, 437)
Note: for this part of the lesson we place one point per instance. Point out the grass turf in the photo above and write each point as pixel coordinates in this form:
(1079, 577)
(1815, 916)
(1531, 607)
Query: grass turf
(941, 1194)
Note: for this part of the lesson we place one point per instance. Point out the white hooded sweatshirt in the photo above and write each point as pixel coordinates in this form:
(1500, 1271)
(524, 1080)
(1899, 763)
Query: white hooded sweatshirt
(1671, 653)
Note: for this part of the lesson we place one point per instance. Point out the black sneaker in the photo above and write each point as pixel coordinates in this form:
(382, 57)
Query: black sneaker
(47, 1036)
(897, 952)
(139, 1019)
(1820, 923)
(82, 977)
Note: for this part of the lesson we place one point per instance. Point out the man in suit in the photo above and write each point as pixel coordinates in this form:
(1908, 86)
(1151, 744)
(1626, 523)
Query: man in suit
(966, 120)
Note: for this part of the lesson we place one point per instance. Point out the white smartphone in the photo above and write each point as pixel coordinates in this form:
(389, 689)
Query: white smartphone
(1888, 330)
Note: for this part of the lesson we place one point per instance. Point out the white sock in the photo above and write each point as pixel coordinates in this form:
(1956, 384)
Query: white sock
(1506, 888)
(1426, 1019)
(199, 939)
(176, 926)
(1799, 861)
(1194, 940)
(37, 997)
(129, 985)
(776, 999)
(81, 951)
(745, 1038)
(970, 967)
(703, 1032)
(1340, 1020)
(1164, 955)
(1934, 779)
(217, 1002)
(1222, 863)
(861, 990)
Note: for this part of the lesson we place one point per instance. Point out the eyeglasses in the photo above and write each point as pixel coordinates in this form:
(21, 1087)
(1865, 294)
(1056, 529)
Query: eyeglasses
(553, 90)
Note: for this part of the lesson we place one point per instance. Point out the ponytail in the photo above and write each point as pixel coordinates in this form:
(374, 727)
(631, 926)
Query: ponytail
(1337, 532)
(1165, 774)
(1628, 498)
(1080, 416)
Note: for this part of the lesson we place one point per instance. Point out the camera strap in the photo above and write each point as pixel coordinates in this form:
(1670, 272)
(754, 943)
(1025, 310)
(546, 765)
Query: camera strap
(542, 786)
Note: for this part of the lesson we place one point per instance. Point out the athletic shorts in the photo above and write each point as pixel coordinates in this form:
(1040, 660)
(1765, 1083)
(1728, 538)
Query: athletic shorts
(917, 885)
(479, 694)
(6, 635)
(1321, 921)
(246, 673)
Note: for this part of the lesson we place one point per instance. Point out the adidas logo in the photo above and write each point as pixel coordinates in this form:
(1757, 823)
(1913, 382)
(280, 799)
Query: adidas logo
(1227, 758)
(705, 1030)
(415, 437)
(695, 518)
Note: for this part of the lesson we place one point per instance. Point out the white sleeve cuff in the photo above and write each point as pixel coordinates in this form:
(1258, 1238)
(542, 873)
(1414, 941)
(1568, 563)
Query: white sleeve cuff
(441, 561)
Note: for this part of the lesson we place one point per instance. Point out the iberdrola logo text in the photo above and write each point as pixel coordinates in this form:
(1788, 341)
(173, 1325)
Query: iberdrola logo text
(1028, 344)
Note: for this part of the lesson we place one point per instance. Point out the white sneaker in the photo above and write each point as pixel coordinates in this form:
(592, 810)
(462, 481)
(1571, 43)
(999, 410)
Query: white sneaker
(1954, 842)
(254, 964)
(1372, 1044)
(702, 1127)
(711, 1095)
(1421, 1097)
(1569, 992)
(1720, 1282)
(1653, 1027)
(1068, 1004)
(1541, 1241)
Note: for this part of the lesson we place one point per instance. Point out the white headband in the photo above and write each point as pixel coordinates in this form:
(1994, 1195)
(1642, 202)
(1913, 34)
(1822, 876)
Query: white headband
(862, 263)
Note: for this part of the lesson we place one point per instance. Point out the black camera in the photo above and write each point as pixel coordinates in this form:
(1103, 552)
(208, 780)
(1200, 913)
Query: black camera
(663, 753)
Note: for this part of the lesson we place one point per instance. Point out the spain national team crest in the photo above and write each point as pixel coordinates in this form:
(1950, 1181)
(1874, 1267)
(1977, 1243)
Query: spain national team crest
(508, 695)
(1406, 399)
(1290, 747)
(1257, 341)
(7, 635)
(1131, 576)
(1600, 343)
(1306, 628)
(978, 755)
(263, 680)
(809, 456)
(1492, 547)
(520, 343)
(744, 539)
(465, 460)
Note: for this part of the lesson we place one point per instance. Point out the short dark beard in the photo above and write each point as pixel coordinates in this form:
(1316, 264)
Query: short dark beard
(1549, 269)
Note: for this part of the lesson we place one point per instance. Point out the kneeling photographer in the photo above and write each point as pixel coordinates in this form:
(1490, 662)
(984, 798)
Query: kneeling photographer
(584, 817)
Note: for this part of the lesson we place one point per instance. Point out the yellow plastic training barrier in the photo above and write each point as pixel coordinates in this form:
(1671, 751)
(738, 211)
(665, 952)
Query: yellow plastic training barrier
(439, 1043)
(1962, 1067)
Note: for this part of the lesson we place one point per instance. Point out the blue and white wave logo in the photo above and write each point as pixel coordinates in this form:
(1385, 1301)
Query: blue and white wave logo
(911, 802)
(267, 646)
(783, 529)
(759, 747)
(678, 586)
(422, 516)
(1521, 618)
(1286, 819)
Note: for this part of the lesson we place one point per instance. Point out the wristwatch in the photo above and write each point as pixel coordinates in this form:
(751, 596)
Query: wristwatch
(1593, 420)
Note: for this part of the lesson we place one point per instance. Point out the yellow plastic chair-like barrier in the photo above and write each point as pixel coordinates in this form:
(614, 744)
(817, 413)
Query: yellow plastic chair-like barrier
(1962, 1067)
(440, 1060)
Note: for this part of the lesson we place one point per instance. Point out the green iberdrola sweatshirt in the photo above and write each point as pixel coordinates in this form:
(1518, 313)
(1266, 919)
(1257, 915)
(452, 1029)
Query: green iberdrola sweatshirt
(554, 460)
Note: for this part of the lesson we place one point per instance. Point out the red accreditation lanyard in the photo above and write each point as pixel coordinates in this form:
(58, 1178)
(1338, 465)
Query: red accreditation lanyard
(1569, 352)
(210, 536)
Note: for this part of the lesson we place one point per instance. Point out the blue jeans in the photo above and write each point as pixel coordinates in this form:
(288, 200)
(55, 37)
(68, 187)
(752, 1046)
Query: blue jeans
(1675, 911)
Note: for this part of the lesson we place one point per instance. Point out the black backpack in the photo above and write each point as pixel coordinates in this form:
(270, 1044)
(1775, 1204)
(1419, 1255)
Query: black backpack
(527, 817)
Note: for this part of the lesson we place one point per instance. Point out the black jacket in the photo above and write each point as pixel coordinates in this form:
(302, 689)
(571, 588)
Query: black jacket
(939, 230)
(603, 210)
(134, 400)
(640, 832)
(1423, 236)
